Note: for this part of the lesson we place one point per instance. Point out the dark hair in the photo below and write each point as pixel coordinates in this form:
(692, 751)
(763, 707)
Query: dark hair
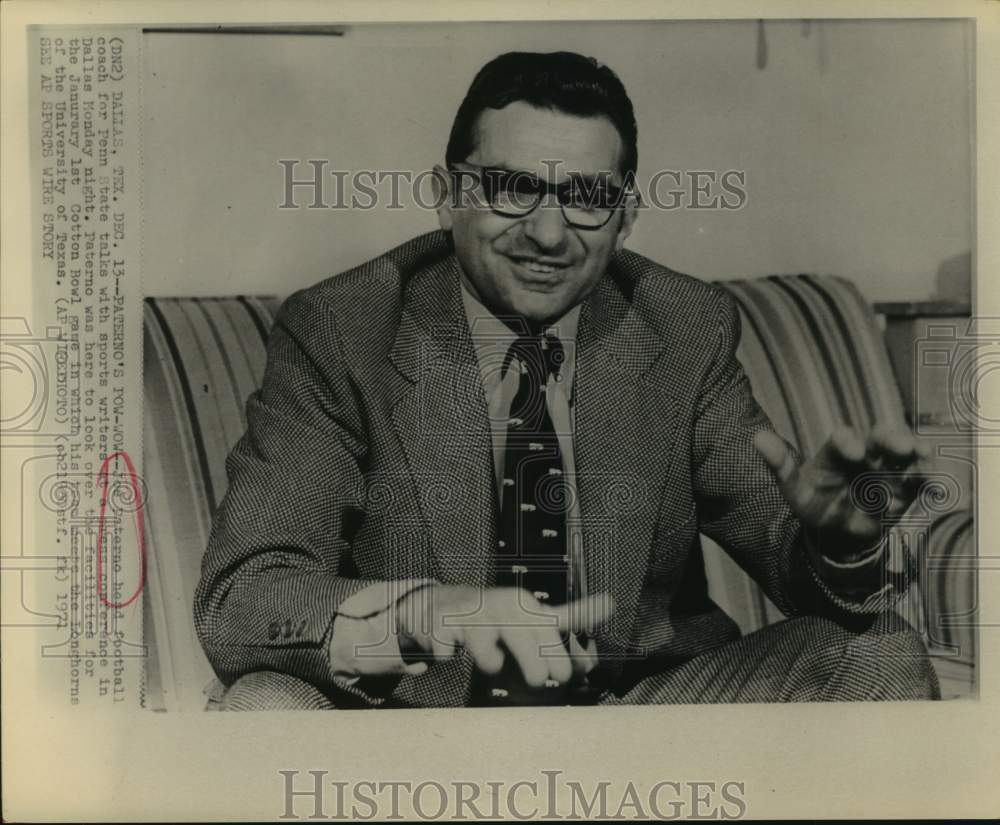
(561, 81)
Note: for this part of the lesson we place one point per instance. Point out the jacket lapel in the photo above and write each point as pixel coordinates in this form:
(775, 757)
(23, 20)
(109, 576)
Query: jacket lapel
(624, 431)
(442, 422)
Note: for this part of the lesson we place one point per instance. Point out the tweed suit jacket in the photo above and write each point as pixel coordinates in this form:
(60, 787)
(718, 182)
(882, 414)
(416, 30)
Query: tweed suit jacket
(367, 458)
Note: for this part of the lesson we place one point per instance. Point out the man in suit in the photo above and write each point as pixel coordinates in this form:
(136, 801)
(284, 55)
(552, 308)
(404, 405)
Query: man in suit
(478, 466)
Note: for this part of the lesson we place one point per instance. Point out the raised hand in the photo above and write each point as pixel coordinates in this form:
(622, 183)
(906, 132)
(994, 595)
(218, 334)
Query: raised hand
(827, 492)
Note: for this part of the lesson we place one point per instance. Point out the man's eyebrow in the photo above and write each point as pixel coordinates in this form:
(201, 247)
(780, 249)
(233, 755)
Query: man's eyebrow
(587, 179)
(500, 167)
(600, 179)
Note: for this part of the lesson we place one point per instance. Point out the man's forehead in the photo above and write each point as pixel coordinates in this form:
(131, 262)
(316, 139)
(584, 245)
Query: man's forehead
(550, 143)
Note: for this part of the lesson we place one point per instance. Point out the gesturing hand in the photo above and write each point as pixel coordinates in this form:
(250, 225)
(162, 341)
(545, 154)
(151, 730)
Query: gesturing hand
(824, 492)
(494, 623)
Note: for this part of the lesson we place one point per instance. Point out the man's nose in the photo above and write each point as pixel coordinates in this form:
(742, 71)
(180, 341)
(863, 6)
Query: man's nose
(545, 226)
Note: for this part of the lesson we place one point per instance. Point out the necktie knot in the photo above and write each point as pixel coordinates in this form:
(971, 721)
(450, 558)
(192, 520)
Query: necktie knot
(540, 355)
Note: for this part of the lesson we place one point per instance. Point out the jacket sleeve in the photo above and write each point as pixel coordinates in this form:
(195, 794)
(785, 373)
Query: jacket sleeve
(277, 565)
(742, 508)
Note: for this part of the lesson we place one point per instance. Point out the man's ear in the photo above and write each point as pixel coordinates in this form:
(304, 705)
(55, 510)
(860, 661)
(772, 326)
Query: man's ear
(441, 181)
(631, 214)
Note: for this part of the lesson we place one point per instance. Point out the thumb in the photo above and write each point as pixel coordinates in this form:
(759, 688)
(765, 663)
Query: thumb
(777, 455)
(584, 615)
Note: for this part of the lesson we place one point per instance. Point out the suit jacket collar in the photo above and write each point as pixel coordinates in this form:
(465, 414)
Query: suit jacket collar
(432, 320)
(609, 320)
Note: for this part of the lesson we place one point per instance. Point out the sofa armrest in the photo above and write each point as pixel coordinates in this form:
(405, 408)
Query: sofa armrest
(948, 582)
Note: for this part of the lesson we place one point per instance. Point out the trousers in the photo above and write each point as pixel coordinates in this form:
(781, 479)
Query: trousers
(805, 659)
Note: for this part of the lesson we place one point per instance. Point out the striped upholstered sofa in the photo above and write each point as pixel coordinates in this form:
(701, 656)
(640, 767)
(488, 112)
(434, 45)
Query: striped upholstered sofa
(811, 345)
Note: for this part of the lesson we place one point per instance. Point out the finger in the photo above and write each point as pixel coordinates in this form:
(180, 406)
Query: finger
(443, 647)
(845, 450)
(915, 477)
(553, 652)
(522, 645)
(923, 449)
(486, 651)
(899, 453)
(584, 615)
(775, 452)
(582, 659)
(890, 447)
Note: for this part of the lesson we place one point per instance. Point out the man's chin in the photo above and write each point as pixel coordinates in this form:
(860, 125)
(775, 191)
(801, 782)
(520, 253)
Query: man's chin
(539, 309)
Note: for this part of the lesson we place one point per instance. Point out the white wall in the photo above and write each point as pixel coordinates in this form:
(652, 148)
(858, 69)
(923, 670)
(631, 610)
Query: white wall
(855, 138)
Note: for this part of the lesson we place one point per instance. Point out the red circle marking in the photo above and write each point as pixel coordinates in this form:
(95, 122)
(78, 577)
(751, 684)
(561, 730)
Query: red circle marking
(140, 529)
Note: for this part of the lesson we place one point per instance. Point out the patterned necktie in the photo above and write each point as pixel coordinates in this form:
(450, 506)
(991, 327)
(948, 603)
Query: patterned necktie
(532, 547)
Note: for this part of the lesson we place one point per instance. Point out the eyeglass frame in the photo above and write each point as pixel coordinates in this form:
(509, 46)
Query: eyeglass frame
(482, 173)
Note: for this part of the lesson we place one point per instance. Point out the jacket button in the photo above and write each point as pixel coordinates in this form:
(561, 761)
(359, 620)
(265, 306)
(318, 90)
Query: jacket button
(287, 628)
(273, 630)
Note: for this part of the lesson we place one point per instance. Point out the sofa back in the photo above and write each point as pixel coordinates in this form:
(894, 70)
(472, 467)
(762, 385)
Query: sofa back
(202, 357)
(811, 346)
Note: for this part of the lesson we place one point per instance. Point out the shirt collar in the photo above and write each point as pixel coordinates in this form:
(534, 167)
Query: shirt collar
(491, 338)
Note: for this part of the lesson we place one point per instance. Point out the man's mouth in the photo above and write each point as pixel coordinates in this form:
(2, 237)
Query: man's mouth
(538, 265)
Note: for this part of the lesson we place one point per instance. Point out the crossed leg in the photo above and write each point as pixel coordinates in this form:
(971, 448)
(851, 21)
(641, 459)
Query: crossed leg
(270, 690)
(808, 659)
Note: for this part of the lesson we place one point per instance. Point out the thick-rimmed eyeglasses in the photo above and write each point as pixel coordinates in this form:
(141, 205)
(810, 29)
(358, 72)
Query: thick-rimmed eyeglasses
(586, 203)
